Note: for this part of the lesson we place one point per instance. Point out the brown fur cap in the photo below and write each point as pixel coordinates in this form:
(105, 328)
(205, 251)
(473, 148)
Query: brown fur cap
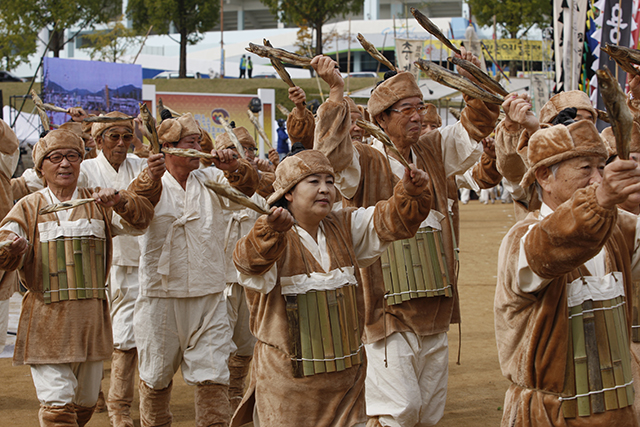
(546, 147)
(55, 140)
(610, 140)
(432, 115)
(573, 98)
(173, 130)
(223, 141)
(98, 129)
(402, 85)
(294, 169)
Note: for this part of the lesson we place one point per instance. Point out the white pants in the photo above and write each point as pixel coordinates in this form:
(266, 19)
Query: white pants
(123, 287)
(4, 322)
(239, 319)
(465, 195)
(65, 383)
(192, 334)
(412, 390)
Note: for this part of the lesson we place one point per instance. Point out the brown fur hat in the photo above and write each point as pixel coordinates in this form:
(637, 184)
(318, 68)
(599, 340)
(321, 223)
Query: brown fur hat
(353, 108)
(55, 140)
(77, 128)
(223, 141)
(555, 144)
(99, 128)
(206, 143)
(573, 98)
(610, 140)
(402, 85)
(432, 115)
(294, 169)
(173, 130)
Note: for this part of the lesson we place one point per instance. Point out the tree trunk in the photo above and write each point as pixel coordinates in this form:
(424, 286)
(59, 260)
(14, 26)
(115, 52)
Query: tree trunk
(318, 27)
(56, 42)
(183, 53)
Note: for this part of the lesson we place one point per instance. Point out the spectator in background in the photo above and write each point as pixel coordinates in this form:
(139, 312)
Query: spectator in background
(249, 67)
(243, 66)
(283, 144)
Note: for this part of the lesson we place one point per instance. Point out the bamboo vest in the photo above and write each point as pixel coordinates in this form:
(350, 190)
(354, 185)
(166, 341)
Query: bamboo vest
(417, 267)
(322, 310)
(73, 259)
(598, 375)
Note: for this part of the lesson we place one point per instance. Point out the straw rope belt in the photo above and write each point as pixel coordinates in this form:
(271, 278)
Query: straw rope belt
(593, 310)
(329, 360)
(596, 391)
(388, 295)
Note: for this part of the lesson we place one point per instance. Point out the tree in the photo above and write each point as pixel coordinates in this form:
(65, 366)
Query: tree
(27, 18)
(189, 17)
(110, 44)
(513, 17)
(312, 13)
(15, 45)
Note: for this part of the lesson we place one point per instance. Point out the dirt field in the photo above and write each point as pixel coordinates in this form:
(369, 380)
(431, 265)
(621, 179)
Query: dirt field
(476, 386)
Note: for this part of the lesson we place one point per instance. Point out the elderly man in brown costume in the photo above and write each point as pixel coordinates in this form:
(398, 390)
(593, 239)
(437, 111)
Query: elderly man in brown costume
(410, 326)
(180, 319)
(64, 331)
(519, 124)
(116, 168)
(562, 315)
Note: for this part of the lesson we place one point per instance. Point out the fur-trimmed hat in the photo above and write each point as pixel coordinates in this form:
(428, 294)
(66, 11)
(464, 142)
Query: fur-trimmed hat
(173, 130)
(223, 141)
(294, 169)
(555, 144)
(77, 128)
(573, 98)
(432, 115)
(610, 139)
(353, 108)
(99, 128)
(402, 85)
(55, 140)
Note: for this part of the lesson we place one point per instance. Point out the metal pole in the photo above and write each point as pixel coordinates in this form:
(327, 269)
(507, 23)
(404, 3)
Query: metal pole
(349, 57)
(221, 38)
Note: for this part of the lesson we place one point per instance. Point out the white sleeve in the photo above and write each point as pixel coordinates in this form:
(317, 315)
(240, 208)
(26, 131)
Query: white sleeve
(348, 180)
(263, 284)
(466, 181)
(34, 183)
(459, 151)
(528, 281)
(15, 228)
(120, 227)
(366, 242)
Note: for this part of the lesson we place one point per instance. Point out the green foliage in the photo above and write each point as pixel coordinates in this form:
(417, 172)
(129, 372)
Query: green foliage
(16, 45)
(514, 17)
(312, 13)
(110, 44)
(26, 18)
(189, 17)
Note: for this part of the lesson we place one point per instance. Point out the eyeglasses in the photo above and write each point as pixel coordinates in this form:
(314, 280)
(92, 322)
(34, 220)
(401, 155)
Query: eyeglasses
(115, 137)
(411, 110)
(252, 149)
(56, 158)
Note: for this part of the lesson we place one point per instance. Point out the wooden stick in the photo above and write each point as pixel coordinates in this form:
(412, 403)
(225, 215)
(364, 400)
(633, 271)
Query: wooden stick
(395, 279)
(77, 256)
(620, 315)
(429, 273)
(46, 284)
(604, 356)
(316, 332)
(402, 273)
(94, 268)
(386, 276)
(261, 131)
(411, 272)
(442, 260)
(86, 268)
(342, 314)
(291, 302)
(305, 335)
(593, 361)
(615, 345)
(569, 407)
(325, 327)
(53, 270)
(419, 271)
(580, 361)
(70, 264)
(100, 274)
(354, 325)
(334, 318)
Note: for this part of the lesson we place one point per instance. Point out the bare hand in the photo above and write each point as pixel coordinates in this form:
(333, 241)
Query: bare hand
(226, 160)
(77, 114)
(488, 145)
(19, 245)
(298, 97)
(621, 178)
(468, 56)
(280, 219)
(517, 109)
(156, 166)
(328, 71)
(274, 158)
(263, 165)
(107, 197)
(415, 181)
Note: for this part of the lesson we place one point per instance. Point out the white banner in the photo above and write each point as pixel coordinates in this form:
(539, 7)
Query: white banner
(407, 52)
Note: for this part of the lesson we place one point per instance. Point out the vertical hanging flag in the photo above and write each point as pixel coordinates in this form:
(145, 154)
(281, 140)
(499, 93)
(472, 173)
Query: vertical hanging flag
(407, 52)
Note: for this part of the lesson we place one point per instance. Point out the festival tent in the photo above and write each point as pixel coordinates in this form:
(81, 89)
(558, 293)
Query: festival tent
(27, 126)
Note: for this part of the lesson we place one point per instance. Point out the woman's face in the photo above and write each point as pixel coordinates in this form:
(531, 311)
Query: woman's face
(61, 168)
(312, 198)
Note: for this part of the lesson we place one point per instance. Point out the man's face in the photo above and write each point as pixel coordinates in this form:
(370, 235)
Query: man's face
(571, 175)
(114, 143)
(403, 129)
(585, 115)
(191, 163)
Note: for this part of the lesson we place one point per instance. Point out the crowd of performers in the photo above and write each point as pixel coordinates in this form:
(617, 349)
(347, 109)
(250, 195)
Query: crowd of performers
(337, 304)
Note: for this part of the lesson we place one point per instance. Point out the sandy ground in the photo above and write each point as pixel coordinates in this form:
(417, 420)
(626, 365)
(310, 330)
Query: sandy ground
(476, 386)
